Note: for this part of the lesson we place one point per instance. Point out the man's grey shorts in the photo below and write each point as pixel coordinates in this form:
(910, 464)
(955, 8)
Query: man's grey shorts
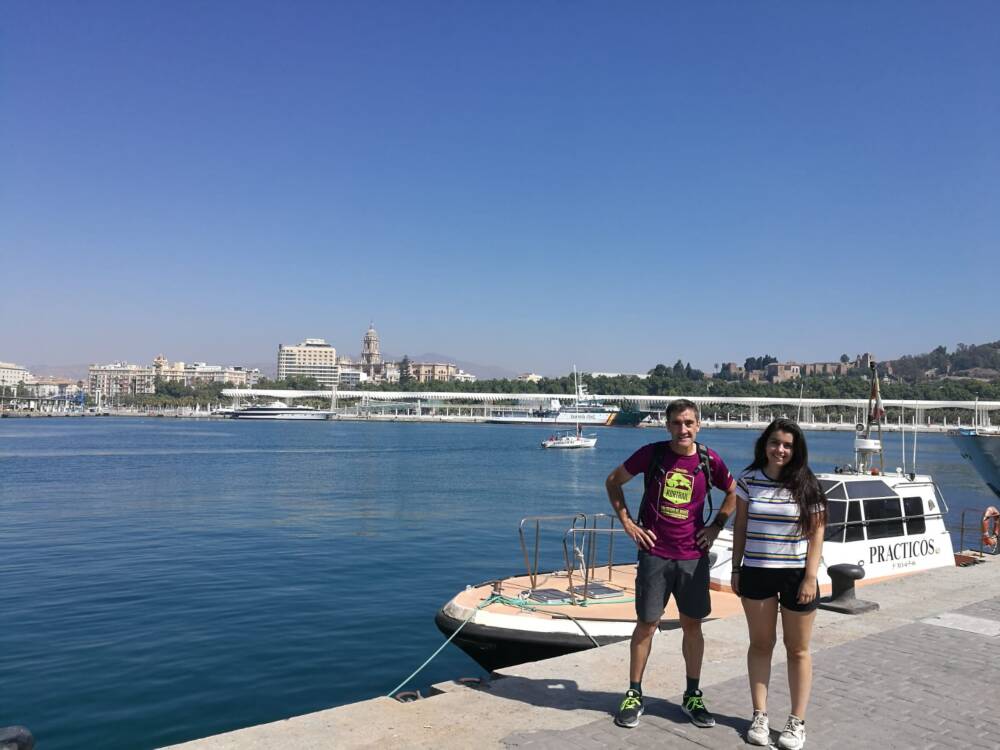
(656, 578)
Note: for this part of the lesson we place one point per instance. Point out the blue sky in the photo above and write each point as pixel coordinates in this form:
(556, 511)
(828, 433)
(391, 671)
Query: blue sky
(522, 184)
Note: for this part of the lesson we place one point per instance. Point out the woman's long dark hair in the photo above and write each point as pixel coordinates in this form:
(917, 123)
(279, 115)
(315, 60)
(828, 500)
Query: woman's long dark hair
(796, 476)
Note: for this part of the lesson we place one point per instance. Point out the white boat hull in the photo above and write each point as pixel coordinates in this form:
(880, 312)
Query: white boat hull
(570, 442)
(295, 417)
(567, 418)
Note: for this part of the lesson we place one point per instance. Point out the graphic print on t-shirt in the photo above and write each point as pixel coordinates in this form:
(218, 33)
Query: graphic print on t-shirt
(678, 487)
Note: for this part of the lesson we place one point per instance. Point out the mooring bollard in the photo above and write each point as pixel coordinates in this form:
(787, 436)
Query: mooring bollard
(843, 600)
(406, 696)
(16, 738)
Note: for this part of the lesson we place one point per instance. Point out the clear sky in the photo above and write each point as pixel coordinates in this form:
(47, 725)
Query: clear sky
(522, 184)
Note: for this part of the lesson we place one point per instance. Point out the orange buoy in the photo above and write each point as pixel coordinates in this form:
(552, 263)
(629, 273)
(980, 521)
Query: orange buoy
(991, 527)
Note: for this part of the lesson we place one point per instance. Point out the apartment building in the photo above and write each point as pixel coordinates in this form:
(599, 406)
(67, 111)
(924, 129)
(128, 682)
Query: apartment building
(191, 374)
(313, 358)
(120, 379)
(11, 374)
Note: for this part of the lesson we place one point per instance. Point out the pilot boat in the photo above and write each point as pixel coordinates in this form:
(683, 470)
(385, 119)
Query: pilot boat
(887, 523)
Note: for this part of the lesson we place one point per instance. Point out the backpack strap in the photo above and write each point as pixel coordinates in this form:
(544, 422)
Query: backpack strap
(650, 474)
(705, 466)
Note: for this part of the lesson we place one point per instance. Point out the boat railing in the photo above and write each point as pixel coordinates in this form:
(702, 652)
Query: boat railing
(586, 554)
(531, 563)
(977, 528)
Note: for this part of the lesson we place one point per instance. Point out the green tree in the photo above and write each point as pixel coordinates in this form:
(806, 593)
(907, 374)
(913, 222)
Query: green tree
(405, 376)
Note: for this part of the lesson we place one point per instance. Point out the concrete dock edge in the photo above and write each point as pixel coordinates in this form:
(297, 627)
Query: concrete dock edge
(920, 672)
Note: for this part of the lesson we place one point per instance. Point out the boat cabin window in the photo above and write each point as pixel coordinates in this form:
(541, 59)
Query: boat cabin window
(835, 512)
(886, 508)
(854, 531)
(914, 508)
(869, 488)
(833, 490)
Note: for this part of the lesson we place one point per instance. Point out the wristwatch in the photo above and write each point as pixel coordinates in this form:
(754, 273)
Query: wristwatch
(719, 522)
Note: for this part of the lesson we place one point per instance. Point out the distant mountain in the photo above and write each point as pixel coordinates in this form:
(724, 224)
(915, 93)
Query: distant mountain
(980, 361)
(71, 372)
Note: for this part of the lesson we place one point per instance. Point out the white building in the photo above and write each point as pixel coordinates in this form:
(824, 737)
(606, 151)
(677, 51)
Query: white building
(390, 372)
(192, 374)
(352, 377)
(464, 377)
(313, 358)
(54, 388)
(11, 374)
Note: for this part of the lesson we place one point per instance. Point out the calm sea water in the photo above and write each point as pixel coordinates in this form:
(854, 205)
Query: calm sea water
(165, 580)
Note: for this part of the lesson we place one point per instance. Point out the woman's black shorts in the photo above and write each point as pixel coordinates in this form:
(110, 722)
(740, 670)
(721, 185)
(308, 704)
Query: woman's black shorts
(763, 583)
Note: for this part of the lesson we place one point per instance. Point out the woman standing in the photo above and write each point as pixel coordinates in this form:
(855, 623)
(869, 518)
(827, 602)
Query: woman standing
(778, 537)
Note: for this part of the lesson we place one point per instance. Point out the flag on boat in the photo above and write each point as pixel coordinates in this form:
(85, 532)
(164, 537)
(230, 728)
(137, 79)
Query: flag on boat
(878, 411)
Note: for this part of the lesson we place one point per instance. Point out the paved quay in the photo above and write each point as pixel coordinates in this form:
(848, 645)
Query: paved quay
(922, 672)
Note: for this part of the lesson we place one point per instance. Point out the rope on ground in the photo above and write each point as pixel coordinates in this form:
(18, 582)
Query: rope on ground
(485, 603)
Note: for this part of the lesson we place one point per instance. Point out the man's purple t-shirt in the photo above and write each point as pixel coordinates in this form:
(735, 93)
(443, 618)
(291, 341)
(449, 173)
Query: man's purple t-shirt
(675, 498)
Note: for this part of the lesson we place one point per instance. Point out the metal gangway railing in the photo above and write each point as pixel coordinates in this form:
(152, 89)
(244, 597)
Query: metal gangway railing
(580, 542)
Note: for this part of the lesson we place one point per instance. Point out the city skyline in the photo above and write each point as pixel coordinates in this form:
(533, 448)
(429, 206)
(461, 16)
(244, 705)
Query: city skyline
(523, 187)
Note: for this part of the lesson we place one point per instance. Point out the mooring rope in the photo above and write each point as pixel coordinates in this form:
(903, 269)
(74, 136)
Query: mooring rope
(485, 603)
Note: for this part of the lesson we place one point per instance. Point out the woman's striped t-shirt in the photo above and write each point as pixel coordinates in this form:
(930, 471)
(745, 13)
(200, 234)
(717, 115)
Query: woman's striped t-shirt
(773, 536)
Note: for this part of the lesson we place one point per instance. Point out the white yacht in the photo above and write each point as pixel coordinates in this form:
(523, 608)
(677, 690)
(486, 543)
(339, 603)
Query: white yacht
(588, 411)
(585, 409)
(278, 410)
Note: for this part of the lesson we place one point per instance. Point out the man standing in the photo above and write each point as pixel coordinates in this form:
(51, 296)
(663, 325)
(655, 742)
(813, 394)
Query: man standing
(673, 543)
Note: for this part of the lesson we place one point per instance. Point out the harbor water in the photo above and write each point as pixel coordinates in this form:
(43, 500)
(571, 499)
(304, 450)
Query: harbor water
(170, 579)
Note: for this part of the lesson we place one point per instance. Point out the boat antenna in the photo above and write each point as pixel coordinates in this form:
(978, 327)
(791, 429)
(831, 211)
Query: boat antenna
(902, 434)
(798, 411)
(913, 468)
(865, 445)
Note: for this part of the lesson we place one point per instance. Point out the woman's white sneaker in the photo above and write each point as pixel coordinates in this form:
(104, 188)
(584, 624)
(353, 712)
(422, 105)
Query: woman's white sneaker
(759, 732)
(793, 736)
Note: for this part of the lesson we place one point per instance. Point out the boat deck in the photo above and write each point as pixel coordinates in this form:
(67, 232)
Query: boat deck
(517, 589)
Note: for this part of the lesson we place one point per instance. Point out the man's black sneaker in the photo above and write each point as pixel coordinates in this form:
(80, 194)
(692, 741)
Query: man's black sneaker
(694, 707)
(630, 710)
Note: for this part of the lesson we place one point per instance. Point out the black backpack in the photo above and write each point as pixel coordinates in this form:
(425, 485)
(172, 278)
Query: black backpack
(704, 466)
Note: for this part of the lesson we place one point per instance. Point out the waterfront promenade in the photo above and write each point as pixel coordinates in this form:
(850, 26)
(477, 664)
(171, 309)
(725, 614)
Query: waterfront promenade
(919, 673)
(463, 415)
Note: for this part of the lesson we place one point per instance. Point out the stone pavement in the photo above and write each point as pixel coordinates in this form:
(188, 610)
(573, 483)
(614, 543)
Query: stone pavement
(922, 672)
(916, 686)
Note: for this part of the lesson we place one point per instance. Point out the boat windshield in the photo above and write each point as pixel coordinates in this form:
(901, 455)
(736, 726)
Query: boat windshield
(873, 516)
